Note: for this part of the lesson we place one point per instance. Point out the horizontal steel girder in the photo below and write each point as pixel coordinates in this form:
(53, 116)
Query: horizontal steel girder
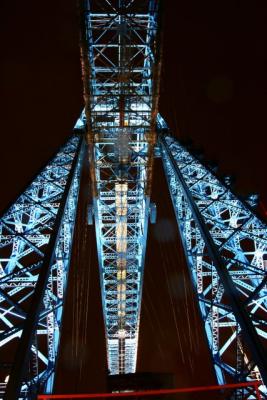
(120, 67)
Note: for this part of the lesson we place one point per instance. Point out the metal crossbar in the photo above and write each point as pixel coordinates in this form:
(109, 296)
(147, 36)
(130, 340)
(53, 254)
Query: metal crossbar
(159, 392)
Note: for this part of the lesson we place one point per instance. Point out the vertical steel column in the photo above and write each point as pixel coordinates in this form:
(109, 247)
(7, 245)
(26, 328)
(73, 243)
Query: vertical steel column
(35, 249)
(226, 248)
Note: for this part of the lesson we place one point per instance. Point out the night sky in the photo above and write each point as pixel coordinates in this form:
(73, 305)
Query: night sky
(213, 91)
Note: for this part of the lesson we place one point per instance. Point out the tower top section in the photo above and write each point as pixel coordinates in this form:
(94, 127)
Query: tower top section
(121, 65)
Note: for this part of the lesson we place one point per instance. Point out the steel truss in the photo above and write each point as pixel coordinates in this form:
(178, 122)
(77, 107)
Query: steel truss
(226, 250)
(35, 248)
(224, 241)
(120, 68)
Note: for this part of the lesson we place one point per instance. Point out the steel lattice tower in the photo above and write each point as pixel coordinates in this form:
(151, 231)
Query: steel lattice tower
(224, 241)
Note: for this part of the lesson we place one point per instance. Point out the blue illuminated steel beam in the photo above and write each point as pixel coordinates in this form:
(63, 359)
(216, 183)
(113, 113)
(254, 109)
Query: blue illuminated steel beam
(121, 60)
(35, 248)
(226, 249)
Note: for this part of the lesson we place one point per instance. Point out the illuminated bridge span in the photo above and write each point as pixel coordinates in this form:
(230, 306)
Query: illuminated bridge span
(120, 69)
(225, 243)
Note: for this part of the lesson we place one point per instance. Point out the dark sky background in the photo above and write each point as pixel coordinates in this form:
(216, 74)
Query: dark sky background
(214, 86)
(213, 90)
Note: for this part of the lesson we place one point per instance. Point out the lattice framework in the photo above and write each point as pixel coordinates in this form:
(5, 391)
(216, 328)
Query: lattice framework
(120, 59)
(231, 287)
(35, 248)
